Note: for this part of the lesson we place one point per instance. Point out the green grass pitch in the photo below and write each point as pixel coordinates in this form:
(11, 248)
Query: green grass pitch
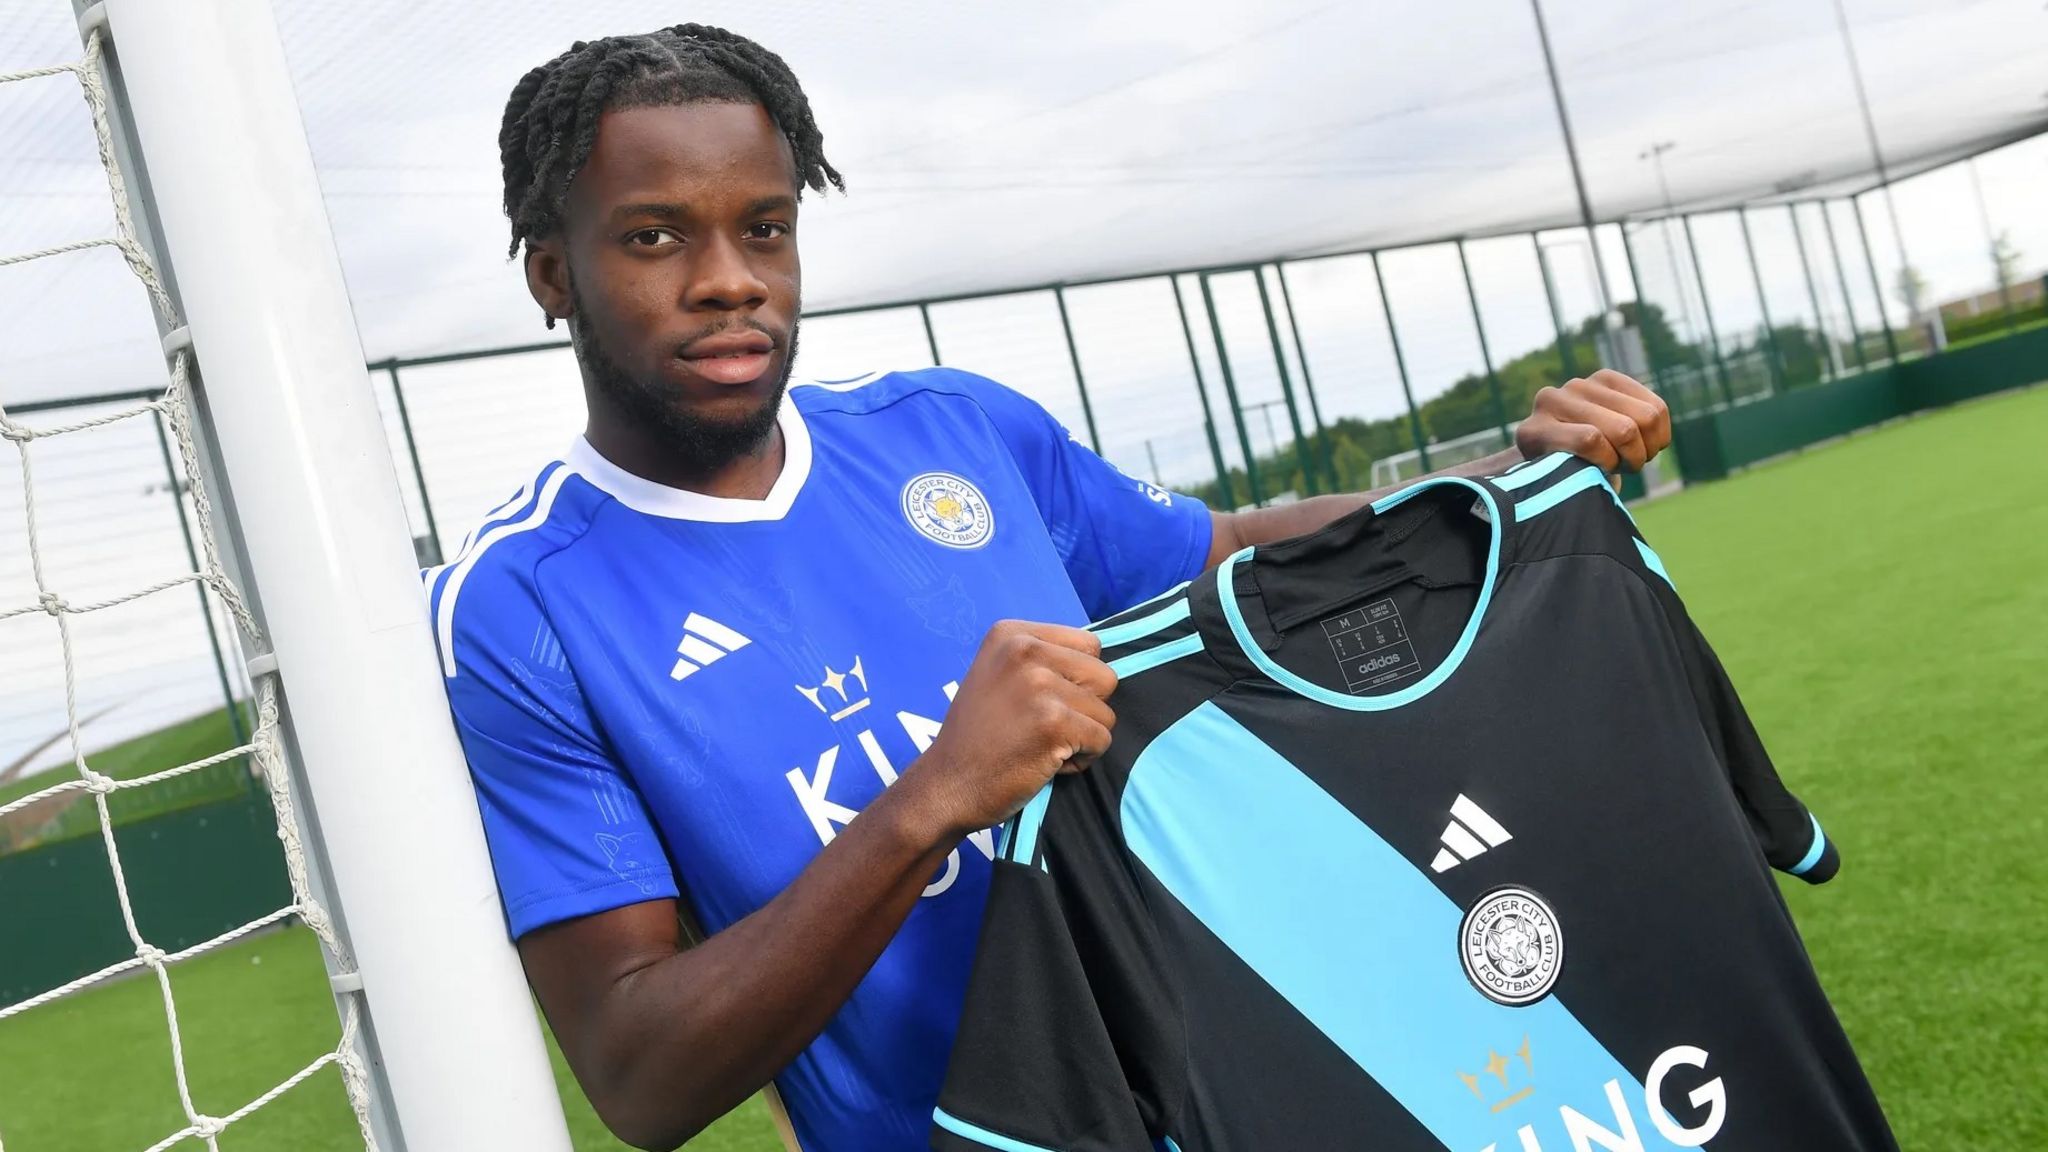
(1881, 603)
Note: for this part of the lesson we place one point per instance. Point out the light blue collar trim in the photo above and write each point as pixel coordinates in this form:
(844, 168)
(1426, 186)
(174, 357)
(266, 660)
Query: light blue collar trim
(1225, 592)
(982, 1136)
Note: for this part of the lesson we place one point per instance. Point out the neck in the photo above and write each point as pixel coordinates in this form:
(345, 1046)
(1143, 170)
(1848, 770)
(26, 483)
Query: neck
(748, 476)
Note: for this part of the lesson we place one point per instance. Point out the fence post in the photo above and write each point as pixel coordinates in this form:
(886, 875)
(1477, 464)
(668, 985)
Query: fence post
(1401, 367)
(419, 474)
(1832, 360)
(220, 663)
(1059, 296)
(1223, 486)
(1500, 404)
(1707, 310)
(1763, 305)
(1308, 381)
(1244, 436)
(1827, 221)
(931, 339)
(1891, 342)
(1566, 360)
(1628, 252)
(2012, 319)
(1301, 452)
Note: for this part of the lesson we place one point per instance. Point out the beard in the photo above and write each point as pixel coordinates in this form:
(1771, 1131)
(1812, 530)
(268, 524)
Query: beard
(707, 443)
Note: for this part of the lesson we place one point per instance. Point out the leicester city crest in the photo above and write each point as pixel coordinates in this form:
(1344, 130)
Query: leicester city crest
(948, 510)
(1512, 946)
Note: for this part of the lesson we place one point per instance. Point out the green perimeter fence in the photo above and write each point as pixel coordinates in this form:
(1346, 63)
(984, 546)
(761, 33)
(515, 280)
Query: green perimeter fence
(1253, 407)
(201, 870)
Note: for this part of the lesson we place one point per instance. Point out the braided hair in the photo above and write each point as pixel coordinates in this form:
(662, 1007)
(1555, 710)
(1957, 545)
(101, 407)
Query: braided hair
(551, 120)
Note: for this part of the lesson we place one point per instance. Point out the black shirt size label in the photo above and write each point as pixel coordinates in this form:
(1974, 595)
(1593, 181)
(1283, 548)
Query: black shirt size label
(1371, 645)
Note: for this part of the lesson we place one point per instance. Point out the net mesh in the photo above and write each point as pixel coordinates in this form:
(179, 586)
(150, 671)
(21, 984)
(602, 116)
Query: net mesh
(264, 746)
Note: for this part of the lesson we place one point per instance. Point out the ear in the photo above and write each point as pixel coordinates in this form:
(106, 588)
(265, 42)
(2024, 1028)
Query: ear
(547, 277)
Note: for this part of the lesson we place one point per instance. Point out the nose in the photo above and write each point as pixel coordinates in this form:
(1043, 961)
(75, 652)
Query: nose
(724, 279)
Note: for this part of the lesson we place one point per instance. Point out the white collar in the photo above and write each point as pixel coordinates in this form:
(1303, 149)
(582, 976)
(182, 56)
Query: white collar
(643, 495)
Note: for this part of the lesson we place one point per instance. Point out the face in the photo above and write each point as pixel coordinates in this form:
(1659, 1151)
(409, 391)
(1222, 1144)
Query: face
(677, 268)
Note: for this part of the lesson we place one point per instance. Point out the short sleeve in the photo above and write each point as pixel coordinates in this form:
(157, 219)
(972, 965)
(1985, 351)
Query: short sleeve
(1789, 834)
(569, 834)
(1122, 540)
(1033, 1064)
(1067, 1039)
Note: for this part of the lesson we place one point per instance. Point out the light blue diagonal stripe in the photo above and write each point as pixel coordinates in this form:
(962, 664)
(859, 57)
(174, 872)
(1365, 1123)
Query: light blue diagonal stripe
(1349, 931)
(1024, 844)
(1522, 477)
(1138, 662)
(1654, 562)
(1558, 493)
(1813, 852)
(980, 1135)
(1145, 625)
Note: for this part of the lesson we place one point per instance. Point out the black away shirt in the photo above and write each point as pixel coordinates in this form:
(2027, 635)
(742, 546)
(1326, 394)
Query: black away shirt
(1439, 828)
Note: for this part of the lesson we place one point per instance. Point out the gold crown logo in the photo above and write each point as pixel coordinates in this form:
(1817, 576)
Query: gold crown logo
(1499, 1067)
(835, 683)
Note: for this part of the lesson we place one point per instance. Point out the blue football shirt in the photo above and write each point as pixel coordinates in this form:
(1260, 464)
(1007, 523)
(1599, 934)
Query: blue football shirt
(661, 691)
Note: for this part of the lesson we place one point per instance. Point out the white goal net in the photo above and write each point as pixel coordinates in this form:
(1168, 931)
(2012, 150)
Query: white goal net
(300, 538)
(57, 602)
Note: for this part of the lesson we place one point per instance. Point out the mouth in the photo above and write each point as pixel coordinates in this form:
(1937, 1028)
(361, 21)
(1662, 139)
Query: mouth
(728, 357)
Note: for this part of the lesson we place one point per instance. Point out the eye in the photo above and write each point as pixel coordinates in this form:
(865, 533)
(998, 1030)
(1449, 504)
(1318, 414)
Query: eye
(653, 238)
(767, 230)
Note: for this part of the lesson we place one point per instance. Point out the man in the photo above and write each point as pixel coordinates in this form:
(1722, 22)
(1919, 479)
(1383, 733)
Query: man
(709, 649)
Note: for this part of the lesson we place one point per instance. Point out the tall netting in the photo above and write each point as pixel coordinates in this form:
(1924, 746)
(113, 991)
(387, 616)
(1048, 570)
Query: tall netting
(1148, 401)
(65, 601)
(1675, 324)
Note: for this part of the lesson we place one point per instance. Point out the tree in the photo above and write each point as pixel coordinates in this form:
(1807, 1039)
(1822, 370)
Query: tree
(2006, 258)
(1801, 351)
(1912, 289)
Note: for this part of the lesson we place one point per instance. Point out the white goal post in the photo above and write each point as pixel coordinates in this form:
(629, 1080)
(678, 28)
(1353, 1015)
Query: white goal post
(310, 523)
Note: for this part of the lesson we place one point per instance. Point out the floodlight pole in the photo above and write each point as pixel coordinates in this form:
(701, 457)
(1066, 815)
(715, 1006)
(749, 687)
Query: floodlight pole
(1571, 151)
(1655, 155)
(1180, 309)
(1884, 178)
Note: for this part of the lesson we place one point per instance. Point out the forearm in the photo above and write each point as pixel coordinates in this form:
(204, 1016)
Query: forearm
(1257, 526)
(688, 1037)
